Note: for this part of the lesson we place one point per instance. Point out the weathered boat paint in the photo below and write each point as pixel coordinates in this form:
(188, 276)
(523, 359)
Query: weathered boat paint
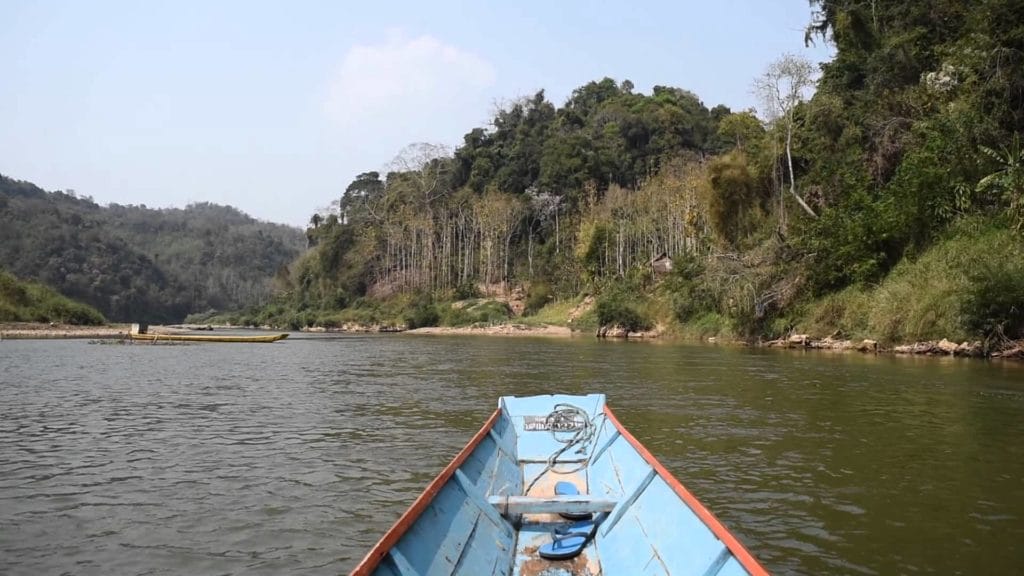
(474, 518)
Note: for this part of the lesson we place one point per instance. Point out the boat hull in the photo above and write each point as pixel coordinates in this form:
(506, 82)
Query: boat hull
(206, 338)
(494, 507)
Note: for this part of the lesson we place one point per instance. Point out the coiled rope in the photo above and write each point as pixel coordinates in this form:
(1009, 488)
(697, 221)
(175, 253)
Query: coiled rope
(563, 418)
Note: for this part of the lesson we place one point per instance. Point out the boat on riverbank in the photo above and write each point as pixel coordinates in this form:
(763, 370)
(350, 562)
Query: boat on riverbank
(556, 485)
(206, 338)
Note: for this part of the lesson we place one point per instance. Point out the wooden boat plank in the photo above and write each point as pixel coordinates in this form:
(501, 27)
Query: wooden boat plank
(479, 468)
(680, 541)
(577, 504)
(626, 504)
(483, 507)
(432, 550)
(606, 472)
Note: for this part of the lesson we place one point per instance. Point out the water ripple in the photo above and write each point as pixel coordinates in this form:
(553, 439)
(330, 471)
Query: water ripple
(295, 457)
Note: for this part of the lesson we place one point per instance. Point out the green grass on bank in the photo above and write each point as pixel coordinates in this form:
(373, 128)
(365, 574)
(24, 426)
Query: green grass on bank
(555, 313)
(24, 301)
(969, 286)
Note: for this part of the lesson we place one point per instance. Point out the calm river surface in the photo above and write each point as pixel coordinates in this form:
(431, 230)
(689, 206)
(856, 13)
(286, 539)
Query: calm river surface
(294, 457)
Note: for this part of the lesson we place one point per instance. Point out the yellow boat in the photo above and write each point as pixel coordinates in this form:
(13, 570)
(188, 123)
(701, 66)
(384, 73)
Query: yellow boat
(206, 338)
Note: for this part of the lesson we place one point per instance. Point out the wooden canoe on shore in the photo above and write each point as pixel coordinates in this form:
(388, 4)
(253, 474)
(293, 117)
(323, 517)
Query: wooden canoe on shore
(206, 338)
(501, 506)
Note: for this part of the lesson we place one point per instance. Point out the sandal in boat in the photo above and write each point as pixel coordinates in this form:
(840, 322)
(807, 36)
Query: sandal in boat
(568, 541)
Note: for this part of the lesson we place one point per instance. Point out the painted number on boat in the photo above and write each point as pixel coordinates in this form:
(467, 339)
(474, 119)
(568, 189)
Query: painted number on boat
(540, 423)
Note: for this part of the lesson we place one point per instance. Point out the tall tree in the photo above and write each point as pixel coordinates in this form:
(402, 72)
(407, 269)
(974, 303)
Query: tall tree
(781, 89)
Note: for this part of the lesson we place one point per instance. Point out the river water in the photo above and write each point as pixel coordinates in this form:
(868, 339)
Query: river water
(294, 457)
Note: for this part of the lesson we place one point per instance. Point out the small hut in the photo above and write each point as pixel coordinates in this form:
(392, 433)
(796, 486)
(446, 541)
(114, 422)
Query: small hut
(661, 264)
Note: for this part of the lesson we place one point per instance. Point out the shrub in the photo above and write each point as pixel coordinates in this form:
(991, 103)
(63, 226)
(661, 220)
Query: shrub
(994, 306)
(479, 312)
(201, 317)
(540, 294)
(422, 314)
(615, 308)
(466, 290)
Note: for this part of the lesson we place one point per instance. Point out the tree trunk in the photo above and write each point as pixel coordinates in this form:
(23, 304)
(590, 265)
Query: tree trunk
(792, 180)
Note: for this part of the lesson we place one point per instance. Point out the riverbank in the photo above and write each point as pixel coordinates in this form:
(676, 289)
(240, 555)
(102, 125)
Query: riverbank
(1011, 350)
(498, 330)
(34, 330)
(54, 331)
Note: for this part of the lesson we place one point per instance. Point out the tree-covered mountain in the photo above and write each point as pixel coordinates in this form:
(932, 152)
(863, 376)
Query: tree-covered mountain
(135, 263)
(879, 188)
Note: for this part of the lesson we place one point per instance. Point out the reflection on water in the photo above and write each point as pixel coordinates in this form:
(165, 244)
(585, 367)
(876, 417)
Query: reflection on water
(294, 457)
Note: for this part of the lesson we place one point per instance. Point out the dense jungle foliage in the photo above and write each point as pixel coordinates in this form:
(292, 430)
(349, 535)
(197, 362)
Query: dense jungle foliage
(783, 218)
(134, 263)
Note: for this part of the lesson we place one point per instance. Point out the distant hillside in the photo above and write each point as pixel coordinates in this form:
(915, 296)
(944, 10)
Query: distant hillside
(138, 263)
(22, 301)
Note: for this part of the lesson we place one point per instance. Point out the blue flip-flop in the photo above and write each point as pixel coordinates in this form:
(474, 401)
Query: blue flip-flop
(568, 541)
(569, 489)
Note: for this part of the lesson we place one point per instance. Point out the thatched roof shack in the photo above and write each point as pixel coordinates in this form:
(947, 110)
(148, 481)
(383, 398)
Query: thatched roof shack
(661, 264)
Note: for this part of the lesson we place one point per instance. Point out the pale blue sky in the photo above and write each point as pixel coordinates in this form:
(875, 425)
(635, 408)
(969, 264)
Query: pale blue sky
(273, 107)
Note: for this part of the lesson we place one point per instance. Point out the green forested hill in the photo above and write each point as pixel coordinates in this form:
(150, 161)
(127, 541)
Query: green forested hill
(136, 263)
(796, 214)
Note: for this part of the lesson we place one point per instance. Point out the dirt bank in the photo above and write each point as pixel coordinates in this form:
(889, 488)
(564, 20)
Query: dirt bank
(498, 330)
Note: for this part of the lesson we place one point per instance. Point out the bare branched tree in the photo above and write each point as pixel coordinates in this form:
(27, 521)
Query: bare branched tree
(781, 89)
(428, 168)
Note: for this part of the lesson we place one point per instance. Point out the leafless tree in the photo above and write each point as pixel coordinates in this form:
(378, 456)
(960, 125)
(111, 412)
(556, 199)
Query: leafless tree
(781, 89)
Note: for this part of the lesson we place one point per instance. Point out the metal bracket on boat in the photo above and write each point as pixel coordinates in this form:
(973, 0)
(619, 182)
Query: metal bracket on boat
(575, 504)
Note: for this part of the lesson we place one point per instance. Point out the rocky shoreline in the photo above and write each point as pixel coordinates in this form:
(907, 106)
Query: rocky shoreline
(944, 347)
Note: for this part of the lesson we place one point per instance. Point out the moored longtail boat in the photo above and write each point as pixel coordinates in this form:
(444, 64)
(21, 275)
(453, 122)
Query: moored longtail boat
(206, 338)
(556, 485)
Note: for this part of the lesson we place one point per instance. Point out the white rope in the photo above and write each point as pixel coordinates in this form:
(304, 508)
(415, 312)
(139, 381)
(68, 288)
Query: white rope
(568, 417)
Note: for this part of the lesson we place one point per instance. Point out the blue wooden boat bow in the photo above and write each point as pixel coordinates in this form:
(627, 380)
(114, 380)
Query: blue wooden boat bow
(495, 508)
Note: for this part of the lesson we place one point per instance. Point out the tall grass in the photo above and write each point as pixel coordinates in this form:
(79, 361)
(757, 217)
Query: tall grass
(555, 313)
(960, 288)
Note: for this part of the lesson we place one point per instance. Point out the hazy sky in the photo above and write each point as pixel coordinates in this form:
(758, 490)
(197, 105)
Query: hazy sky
(274, 107)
